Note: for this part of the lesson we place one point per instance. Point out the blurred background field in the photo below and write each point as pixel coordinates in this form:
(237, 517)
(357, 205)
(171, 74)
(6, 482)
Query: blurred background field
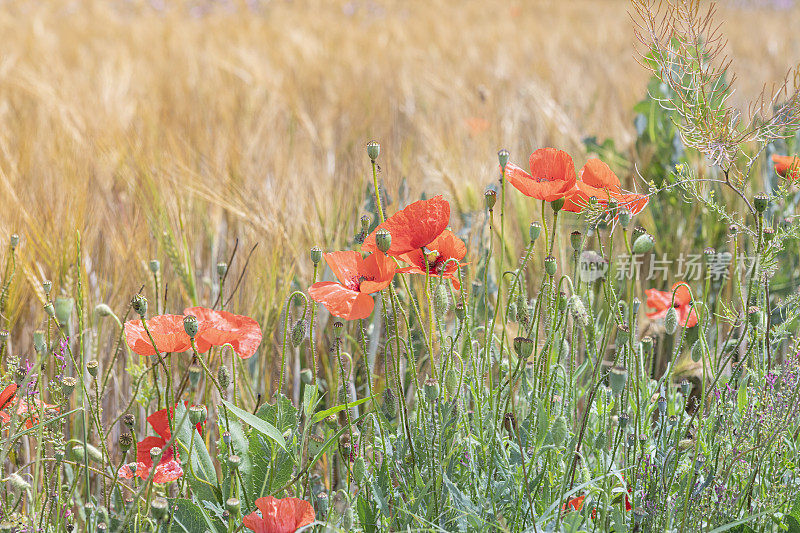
(169, 130)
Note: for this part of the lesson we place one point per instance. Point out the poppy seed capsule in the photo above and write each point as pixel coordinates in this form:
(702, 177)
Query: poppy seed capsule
(502, 158)
(365, 222)
(155, 454)
(316, 255)
(233, 505)
(662, 405)
(158, 508)
(623, 420)
(125, 441)
(234, 461)
(643, 244)
(623, 334)
(671, 321)
(298, 333)
(190, 325)
(624, 217)
(686, 387)
(102, 527)
(197, 414)
(321, 504)
(39, 342)
(226, 438)
(129, 420)
(155, 266)
(223, 376)
(3, 336)
(461, 311)
(91, 367)
(14, 240)
(534, 231)
(617, 379)
(373, 150)
(489, 198)
(754, 315)
(647, 345)
(575, 239)
(68, 385)
(383, 239)
(760, 202)
(431, 387)
(637, 232)
(47, 286)
(194, 375)
(550, 265)
(523, 347)
(49, 309)
(139, 305)
(557, 204)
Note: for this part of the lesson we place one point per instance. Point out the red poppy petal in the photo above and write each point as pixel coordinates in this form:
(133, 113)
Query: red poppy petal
(167, 471)
(378, 271)
(449, 245)
(597, 174)
(126, 471)
(344, 265)
(413, 227)
(341, 301)
(658, 300)
(255, 522)
(538, 188)
(633, 202)
(160, 423)
(552, 165)
(221, 327)
(167, 332)
(143, 452)
(7, 394)
(687, 316)
(787, 166)
(682, 293)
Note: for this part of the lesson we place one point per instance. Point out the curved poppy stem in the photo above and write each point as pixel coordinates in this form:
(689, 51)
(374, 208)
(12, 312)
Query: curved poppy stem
(285, 333)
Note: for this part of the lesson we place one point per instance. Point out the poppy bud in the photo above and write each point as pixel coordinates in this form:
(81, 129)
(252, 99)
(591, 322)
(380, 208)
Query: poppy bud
(579, 312)
(697, 351)
(559, 430)
(18, 483)
(461, 311)
(321, 504)
(223, 376)
(316, 255)
(550, 265)
(125, 441)
(298, 333)
(389, 404)
(575, 239)
(365, 222)
(624, 217)
(190, 325)
(760, 202)
(373, 150)
(158, 508)
(502, 157)
(643, 244)
(662, 405)
(523, 347)
(194, 375)
(637, 232)
(754, 315)
(359, 470)
(234, 461)
(512, 311)
(431, 387)
(232, 505)
(686, 388)
(383, 239)
(91, 367)
(451, 382)
(769, 234)
(47, 286)
(14, 240)
(63, 308)
(49, 309)
(139, 305)
(671, 321)
(489, 198)
(129, 420)
(155, 266)
(623, 420)
(197, 414)
(534, 231)
(103, 310)
(557, 204)
(155, 454)
(441, 300)
(345, 447)
(623, 334)
(617, 379)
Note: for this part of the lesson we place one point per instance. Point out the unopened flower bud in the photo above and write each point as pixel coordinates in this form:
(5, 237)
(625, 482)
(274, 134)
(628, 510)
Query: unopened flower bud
(18, 483)
(103, 310)
(697, 351)
(502, 158)
(298, 333)
(441, 300)
(389, 404)
(139, 305)
(359, 470)
(624, 217)
(431, 387)
(534, 231)
(617, 379)
(671, 321)
(643, 244)
(316, 255)
(760, 202)
(489, 198)
(383, 239)
(223, 376)
(559, 430)
(550, 265)
(557, 204)
(373, 150)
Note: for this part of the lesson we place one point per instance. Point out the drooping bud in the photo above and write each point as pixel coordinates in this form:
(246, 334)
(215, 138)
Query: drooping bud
(223, 376)
(671, 321)
(359, 470)
(441, 300)
(523, 347)
(697, 351)
(760, 202)
(489, 198)
(550, 265)
(298, 332)
(643, 244)
(139, 305)
(191, 325)
(451, 382)
(617, 379)
(316, 255)
(383, 239)
(502, 158)
(103, 310)
(373, 150)
(534, 231)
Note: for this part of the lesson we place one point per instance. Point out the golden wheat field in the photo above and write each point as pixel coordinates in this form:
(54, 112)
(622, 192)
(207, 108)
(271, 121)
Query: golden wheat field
(170, 131)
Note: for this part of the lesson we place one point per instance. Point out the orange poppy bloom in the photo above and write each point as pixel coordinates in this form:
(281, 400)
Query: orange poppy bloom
(575, 504)
(661, 301)
(358, 278)
(284, 515)
(167, 332)
(221, 328)
(413, 227)
(552, 175)
(438, 256)
(787, 166)
(168, 468)
(599, 181)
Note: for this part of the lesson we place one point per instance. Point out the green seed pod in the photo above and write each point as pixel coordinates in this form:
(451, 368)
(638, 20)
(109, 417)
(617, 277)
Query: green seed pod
(159, 508)
(451, 382)
(321, 505)
(194, 375)
(643, 244)
(557, 204)
(234, 461)
(579, 312)
(223, 376)
(125, 441)
(550, 265)
(617, 379)
(637, 232)
(49, 309)
(489, 198)
(47, 286)
(155, 266)
(298, 333)
(502, 158)
(523, 347)
(576, 240)
(512, 311)
(431, 387)
(760, 202)
(18, 483)
(14, 240)
(754, 315)
(441, 300)
(347, 519)
(359, 470)
(559, 430)
(129, 420)
(612, 204)
(92, 367)
(232, 505)
(139, 305)
(383, 239)
(623, 335)
(534, 231)
(155, 454)
(222, 269)
(373, 150)
(623, 420)
(647, 345)
(562, 300)
(686, 388)
(197, 414)
(671, 321)
(624, 217)
(191, 325)
(461, 311)
(697, 351)
(316, 255)
(39, 342)
(102, 310)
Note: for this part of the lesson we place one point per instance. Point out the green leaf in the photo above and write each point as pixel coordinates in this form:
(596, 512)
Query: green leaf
(190, 518)
(366, 515)
(239, 446)
(333, 410)
(197, 467)
(262, 452)
(461, 503)
(310, 399)
(260, 425)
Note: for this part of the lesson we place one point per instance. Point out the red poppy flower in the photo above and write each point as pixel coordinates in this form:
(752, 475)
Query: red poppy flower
(168, 468)
(552, 175)
(661, 301)
(221, 327)
(167, 332)
(284, 515)
(438, 254)
(30, 408)
(358, 278)
(787, 166)
(413, 227)
(575, 504)
(599, 181)
(5, 399)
